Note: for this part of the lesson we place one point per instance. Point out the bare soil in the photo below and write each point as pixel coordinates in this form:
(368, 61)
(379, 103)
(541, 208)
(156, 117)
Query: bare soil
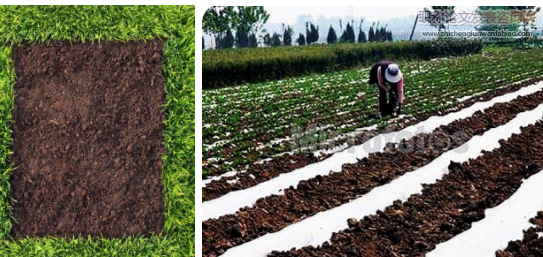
(530, 245)
(87, 132)
(444, 209)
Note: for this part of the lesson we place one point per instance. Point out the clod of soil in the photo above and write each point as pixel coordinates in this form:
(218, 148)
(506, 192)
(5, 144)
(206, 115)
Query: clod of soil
(88, 139)
(444, 209)
(530, 245)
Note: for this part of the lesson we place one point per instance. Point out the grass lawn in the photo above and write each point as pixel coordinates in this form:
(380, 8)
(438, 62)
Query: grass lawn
(175, 24)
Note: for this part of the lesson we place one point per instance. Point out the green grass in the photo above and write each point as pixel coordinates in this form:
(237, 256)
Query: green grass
(129, 246)
(7, 79)
(175, 24)
(38, 24)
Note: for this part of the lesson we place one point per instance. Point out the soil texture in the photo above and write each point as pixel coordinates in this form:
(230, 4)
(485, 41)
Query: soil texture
(88, 131)
(530, 245)
(444, 209)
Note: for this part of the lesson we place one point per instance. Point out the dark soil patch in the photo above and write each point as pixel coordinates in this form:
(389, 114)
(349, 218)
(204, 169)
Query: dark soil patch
(530, 245)
(88, 139)
(444, 209)
(322, 193)
(258, 173)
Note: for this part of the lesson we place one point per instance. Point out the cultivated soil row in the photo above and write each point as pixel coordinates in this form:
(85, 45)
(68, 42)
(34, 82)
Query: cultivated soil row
(322, 193)
(443, 209)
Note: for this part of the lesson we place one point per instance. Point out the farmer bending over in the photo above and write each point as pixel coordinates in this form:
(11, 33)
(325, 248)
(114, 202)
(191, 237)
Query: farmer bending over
(389, 79)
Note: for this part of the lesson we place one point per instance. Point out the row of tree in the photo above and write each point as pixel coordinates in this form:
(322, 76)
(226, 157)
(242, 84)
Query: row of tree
(375, 33)
(220, 21)
(311, 36)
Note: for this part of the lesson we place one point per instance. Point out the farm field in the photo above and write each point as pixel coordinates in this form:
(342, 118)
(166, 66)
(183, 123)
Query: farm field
(302, 166)
(97, 124)
(327, 112)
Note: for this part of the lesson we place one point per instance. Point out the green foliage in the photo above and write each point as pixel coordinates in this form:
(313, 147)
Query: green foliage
(35, 24)
(287, 36)
(440, 16)
(526, 24)
(102, 247)
(237, 66)
(225, 42)
(490, 26)
(250, 18)
(332, 37)
(521, 43)
(217, 20)
(179, 161)
(378, 33)
(7, 80)
(311, 33)
(275, 39)
(266, 39)
(220, 21)
(348, 35)
(252, 40)
(241, 39)
(362, 36)
(301, 40)
(371, 35)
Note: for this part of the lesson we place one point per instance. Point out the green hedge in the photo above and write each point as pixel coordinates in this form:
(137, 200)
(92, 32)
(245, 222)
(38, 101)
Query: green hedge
(517, 43)
(248, 65)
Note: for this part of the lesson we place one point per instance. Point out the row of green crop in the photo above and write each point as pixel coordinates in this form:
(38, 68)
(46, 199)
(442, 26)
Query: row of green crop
(331, 99)
(237, 66)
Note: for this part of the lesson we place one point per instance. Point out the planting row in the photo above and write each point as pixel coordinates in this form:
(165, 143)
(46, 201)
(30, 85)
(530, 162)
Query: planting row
(444, 209)
(237, 137)
(267, 170)
(322, 193)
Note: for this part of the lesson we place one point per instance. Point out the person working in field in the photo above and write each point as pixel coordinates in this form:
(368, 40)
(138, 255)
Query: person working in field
(389, 79)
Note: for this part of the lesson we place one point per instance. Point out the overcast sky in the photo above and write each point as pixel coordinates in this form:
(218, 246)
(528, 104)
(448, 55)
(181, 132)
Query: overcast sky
(369, 13)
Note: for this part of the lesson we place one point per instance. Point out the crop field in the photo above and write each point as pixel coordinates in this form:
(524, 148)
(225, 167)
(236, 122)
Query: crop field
(302, 166)
(97, 131)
